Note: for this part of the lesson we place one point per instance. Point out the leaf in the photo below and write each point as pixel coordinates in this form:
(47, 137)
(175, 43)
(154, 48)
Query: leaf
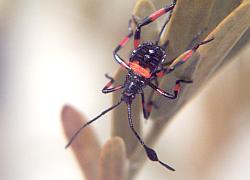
(113, 164)
(210, 57)
(191, 17)
(207, 16)
(227, 35)
(241, 44)
(202, 65)
(86, 146)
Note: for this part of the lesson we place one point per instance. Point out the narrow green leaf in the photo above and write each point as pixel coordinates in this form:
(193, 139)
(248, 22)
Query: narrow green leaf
(195, 16)
(227, 35)
(189, 17)
(202, 65)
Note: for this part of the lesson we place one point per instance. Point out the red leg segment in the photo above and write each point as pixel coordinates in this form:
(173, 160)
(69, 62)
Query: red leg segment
(108, 88)
(150, 19)
(184, 57)
(122, 43)
(187, 55)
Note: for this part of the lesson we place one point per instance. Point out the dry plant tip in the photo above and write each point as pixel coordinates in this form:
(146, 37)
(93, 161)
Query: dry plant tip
(86, 147)
(113, 163)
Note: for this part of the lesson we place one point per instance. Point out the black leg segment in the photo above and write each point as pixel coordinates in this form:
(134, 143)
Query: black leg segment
(150, 19)
(122, 43)
(108, 88)
(176, 89)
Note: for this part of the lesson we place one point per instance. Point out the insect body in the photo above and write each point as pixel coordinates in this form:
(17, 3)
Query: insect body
(148, 55)
(145, 65)
(143, 62)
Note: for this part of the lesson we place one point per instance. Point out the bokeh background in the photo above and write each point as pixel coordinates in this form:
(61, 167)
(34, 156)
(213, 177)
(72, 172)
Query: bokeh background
(56, 52)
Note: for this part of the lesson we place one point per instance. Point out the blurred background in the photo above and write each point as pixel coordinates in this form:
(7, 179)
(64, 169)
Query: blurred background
(56, 52)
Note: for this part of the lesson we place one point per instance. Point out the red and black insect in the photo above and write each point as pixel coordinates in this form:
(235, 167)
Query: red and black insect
(145, 65)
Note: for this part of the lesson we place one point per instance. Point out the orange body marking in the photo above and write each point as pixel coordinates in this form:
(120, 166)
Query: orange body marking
(139, 70)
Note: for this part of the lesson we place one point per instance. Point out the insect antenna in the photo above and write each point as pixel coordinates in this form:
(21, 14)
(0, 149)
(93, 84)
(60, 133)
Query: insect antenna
(150, 152)
(89, 122)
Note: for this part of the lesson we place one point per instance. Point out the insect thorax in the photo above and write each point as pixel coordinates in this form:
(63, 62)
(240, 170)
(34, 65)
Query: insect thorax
(148, 55)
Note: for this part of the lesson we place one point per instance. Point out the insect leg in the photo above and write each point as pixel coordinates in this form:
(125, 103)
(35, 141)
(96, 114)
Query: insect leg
(176, 89)
(146, 109)
(150, 19)
(108, 88)
(164, 25)
(89, 122)
(162, 92)
(150, 152)
(122, 43)
(184, 57)
(152, 92)
(187, 55)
